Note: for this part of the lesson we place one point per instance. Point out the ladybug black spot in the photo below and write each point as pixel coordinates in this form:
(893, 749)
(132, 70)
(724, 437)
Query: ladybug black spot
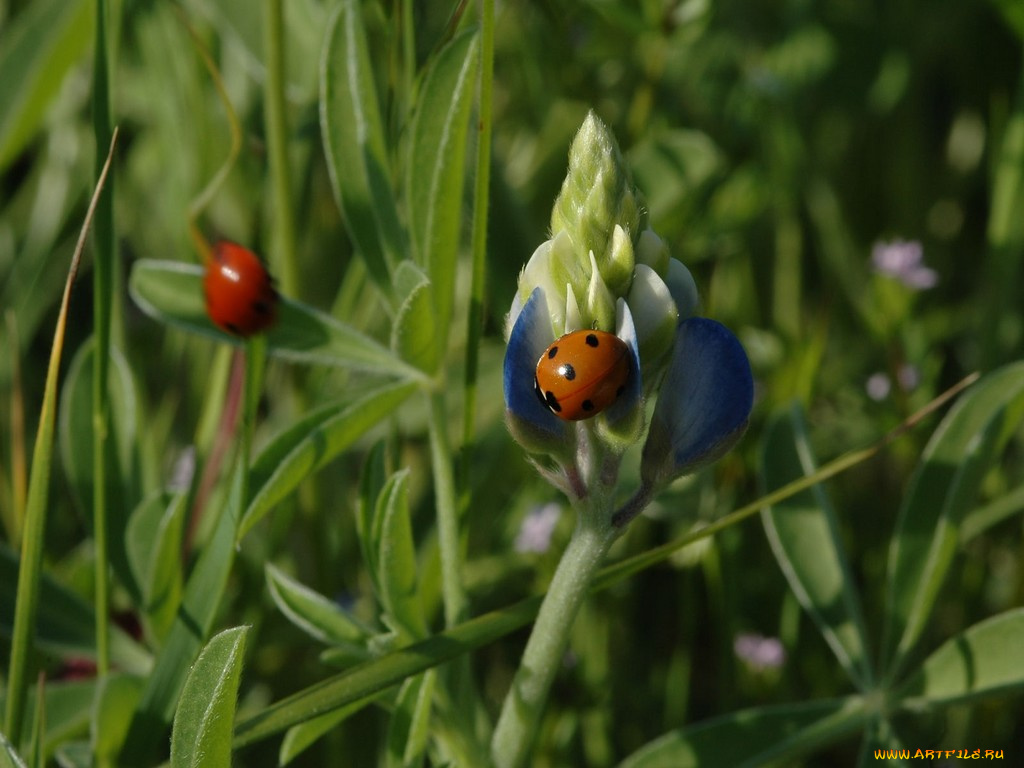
(552, 402)
(552, 352)
(588, 406)
(567, 372)
(540, 395)
(592, 340)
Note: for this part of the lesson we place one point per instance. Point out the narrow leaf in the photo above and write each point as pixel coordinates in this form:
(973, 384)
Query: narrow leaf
(754, 737)
(415, 336)
(804, 535)
(112, 709)
(65, 625)
(373, 677)
(397, 558)
(153, 540)
(985, 660)
(374, 477)
(203, 721)
(353, 134)
(313, 613)
(8, 757)
(40, 47)
(436, 171)
(408, 733)
(299, 452)
(943, 489)
(31, 564)
(301, 737)
(191, 626)
(172, 292)
(77, 446)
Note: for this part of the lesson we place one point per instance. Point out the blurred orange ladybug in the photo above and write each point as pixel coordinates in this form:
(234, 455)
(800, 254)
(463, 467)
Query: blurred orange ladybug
(582, 373)
(240, 294)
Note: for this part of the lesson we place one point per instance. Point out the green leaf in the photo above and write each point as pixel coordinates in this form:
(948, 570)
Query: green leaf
(8, 757)
(415, 336)
(314, 614)
(436, 171)
(123, 466)
(67, 706)
(112, 710)
(357, 154)
(154, 539)
(371, 484)
(306, 447)
(944, 487)
(206, 711)
(38, 727)
(66, 625)
(301, 737)
(378, 675)
(36, 53)
(981, 519)
(397, 558)
(985, 660)
(804, 535)
(75, 754)
(408, 732)
(191, 626)
(754, 737)
(172, 292)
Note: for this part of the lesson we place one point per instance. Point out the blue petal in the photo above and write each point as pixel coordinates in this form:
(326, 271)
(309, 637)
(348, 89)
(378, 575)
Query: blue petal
(530, 336)
(703, 404)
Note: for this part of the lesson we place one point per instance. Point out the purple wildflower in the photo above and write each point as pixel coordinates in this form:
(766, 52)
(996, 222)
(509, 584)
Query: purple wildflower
(759, 652)
(537, 527)
(878, 386)
(903, 261)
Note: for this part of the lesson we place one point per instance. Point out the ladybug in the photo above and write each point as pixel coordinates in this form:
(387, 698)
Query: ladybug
(240, 294)
(582, 373)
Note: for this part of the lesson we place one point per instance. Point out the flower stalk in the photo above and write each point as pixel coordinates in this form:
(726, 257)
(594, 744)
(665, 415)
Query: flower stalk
(545, 650)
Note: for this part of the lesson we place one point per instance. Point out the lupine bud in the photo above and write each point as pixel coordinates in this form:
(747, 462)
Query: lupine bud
(601, 271)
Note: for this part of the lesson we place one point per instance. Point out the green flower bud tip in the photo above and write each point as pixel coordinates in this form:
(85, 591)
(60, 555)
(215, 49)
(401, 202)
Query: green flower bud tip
(597, 194)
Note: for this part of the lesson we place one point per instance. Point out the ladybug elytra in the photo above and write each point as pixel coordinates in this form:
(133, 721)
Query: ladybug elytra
(582, 373)
(240, 294)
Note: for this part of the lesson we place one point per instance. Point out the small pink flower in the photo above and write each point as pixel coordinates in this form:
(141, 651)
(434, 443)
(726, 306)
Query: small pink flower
(537, 527)
(759, 652)
(903, 260)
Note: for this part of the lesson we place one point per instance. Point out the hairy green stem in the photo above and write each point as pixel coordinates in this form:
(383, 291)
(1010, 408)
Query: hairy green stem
(524, 705)
(456, 607)
(103, 270)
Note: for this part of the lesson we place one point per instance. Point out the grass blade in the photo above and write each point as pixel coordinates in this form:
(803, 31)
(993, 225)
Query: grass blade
(30, 572)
